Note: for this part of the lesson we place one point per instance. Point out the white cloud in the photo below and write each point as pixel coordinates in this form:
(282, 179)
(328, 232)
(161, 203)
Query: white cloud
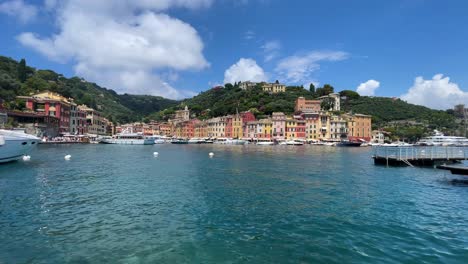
(438, 93)
(271, 50)
(244, 70)
(368, 88)
(124, 38)
(299, 68)
(18, 8)
(249, 34)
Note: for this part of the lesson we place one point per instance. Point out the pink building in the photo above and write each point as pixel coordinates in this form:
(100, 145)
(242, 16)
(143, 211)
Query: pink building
(279, 125)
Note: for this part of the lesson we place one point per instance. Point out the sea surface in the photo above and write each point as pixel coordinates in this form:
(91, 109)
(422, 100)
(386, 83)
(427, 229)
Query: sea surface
(247, 204)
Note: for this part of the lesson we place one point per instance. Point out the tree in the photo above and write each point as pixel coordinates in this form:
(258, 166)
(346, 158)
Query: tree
(228, 86)
(328, 89)
(312, 88)
(22, 74)
(327, 104)
(349, 94)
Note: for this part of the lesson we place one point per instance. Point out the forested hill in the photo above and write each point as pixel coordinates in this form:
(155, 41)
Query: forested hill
(224, 100)
(386, 110)
(16, 78)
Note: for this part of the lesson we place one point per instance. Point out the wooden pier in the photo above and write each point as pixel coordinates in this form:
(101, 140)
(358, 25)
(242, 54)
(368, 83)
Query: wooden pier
(418, 155)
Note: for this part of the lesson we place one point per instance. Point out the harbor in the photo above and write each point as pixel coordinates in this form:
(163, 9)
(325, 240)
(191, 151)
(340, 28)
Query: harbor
(121, 204)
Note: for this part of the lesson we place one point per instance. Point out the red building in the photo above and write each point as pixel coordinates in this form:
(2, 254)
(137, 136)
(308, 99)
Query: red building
(228, 128)
(247, 116)
(51, 104)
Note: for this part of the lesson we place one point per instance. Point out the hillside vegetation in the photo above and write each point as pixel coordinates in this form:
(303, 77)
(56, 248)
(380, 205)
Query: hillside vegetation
(16, 78)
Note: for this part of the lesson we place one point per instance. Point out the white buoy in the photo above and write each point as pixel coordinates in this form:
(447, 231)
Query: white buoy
(155, 154)
(26, 157)
(211, 154)
(67, 157)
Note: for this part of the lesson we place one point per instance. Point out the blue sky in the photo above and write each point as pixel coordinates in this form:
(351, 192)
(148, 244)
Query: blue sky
(413, 49)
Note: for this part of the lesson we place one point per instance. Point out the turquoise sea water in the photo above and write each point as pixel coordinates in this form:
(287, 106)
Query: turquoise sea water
(257, 204)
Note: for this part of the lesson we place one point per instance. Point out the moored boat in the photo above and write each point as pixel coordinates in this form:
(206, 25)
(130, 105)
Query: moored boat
(349, 143)
(294, 142)
(127, 137)
(15, 144)
(179, 141)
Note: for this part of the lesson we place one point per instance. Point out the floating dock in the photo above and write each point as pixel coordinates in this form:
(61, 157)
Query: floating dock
(418, 155)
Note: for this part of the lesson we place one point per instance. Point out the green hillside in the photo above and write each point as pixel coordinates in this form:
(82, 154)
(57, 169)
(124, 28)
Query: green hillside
(18, 79)
(386, 111)
(221, 101)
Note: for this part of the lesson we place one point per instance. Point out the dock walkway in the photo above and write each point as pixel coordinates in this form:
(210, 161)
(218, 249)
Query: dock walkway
(418, 155)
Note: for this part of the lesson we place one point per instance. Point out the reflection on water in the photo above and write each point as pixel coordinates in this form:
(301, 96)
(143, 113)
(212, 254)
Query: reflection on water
(258, 204)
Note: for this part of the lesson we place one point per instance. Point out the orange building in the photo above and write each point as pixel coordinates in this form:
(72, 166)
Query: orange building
(359, 126)
(303, 105)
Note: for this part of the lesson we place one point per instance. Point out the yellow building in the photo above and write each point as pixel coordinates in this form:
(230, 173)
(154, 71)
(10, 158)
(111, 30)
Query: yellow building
(237, 126)
(201, 130)
(274, 87)
(267, 128)
(313, 125)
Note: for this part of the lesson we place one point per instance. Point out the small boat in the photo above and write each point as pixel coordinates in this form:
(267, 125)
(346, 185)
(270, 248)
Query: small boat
(179, 141)
(294, 143)
(349, 143)
(461, 170)
(157, 139)
(265, 143)
(15, 144)
(195, 141)
(228, 141)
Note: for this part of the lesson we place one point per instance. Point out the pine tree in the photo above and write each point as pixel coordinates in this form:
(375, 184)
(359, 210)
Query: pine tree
(22, 75)
(312, 88)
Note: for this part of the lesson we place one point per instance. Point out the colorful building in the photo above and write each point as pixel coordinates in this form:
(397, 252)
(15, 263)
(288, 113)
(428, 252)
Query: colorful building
(77, 120)
(295, 129)
(359, 126)
(237, 126)
(278, 125)
(95, 122)
(51, 104)
(312, 125)
(304, 105)
(338, 128)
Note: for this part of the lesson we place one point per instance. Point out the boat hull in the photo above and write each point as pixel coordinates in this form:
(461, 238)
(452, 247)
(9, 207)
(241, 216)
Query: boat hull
(13, 148)
(349, 144)
(128, 141)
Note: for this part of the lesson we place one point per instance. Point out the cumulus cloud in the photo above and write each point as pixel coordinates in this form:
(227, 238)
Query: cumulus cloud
(271, 50)
(123, 40)
(368, 88)
(18, 8)
(299, 68)
(438, 93)
(244, 70)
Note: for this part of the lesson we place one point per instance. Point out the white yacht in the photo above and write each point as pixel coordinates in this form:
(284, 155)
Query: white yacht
(229, 141)
(15, 144)
(295, 142)
(440, 139)
(265, 143)
(127, 137)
